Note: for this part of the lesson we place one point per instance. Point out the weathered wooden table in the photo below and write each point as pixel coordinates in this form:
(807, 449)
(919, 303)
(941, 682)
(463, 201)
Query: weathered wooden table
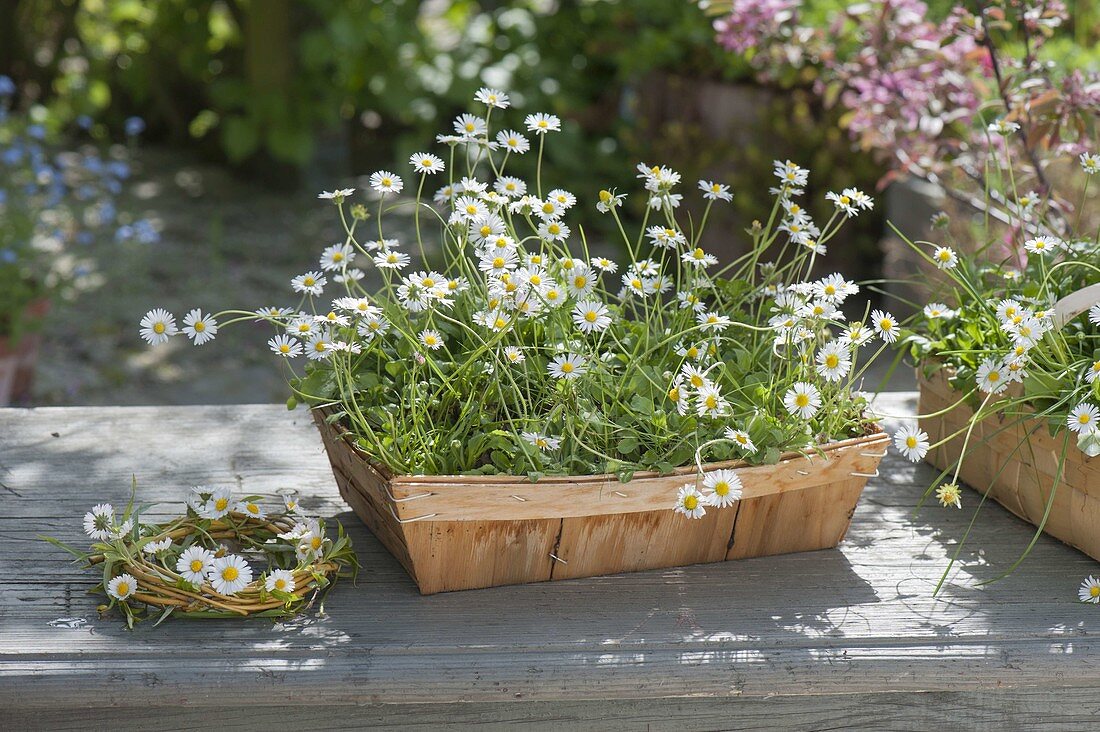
(843, 638)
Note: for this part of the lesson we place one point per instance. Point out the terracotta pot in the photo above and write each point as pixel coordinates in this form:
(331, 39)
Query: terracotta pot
(18, 359)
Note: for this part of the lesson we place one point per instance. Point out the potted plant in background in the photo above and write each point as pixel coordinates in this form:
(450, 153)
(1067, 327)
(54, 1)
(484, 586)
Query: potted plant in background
(521, 407)
(55, 206)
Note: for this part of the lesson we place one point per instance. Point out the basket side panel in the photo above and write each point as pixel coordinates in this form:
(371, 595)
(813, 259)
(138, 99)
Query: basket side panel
(795, 521)
(1015, 460)
(463, 555)
(630, 542)
(365, 492)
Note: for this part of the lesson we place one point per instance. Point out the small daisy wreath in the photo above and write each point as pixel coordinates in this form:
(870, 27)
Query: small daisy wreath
(226, 557)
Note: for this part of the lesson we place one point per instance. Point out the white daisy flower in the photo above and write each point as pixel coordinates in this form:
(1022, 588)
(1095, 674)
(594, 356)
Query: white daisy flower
(1090, 163)
(1093, 372)
(938, 311)
(386, 182)
(273, 311)
(563, 198)
(1042, 244)
(541, 441)
(469, 127)
(834, 288)
(945, 258)
(1003, 127)
(715, 191)
(690, 502)
(699, 258)
(604, 264)
(311, 544)
(336, 257)
(912, 442)
(279, 580)
(541, 123)
(510, 186)
(389, 259)
(426, 163)
(833, 361)
(791, 175)
(492, 97)
(318, 347)
(992, 377)
(741, 439)
(514, 355)
(1089, 590)
(710, 402)
(122, 586)
(431, 338)
(337, 195)
(591, 316)
(842, 202)
(1084, 419)
(713, 321)
(251, 509)
(312, 283)
(724, 488)
(200, 328)
(513, 142)
(194, 563)
(98, 521)
(949, 494)
(217, 505)
(554, 231)
(695, 377)
(230, 574)
(156, 547)
(885, 325)
(372, 326)
(581, 281)
(158, 326)
(567, 366)
(802, 400)
(609, 200)
(1094, 314)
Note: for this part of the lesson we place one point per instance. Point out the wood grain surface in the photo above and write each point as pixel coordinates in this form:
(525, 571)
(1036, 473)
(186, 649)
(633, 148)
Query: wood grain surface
(850, 637)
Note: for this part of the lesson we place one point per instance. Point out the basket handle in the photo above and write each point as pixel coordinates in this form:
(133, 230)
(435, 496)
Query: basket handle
(1075, 303)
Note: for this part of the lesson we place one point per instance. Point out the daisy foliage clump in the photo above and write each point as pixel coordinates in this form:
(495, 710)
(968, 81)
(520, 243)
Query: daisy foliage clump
(227, 557)
(499, 340)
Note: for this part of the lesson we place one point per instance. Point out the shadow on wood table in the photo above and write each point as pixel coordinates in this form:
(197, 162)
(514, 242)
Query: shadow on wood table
(841, 638)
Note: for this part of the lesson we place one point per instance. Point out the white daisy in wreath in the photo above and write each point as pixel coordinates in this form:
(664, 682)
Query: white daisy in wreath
(122, 586)
(98, 521)
(230, 574)
(279, 580)
(195, 563)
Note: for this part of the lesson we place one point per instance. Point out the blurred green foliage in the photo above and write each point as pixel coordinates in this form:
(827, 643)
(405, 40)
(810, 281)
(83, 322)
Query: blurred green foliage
(254, 80)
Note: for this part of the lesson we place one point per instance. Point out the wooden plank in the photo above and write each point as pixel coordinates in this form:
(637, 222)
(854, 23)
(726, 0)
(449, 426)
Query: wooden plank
(805, 639)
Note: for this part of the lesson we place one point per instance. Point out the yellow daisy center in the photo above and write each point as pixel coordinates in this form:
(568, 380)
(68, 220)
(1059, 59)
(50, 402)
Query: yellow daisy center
(196, 565)
(252, 508)
(1094, 591)
(674, 394)
(158, 328)
(280, 584)
(230, 573)
(567, 368)
(691, 503)
(591, 316)
(199, 326)
(994, 376)
(910, 441)
(832, 360)
(123, 588)
(722, 488)
(308, 281)
(711, 401)
(221, 503)
(802, 400)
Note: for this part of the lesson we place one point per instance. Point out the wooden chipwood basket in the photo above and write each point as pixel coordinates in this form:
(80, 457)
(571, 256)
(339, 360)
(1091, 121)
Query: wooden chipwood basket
(1015, 461)
(463, 532)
